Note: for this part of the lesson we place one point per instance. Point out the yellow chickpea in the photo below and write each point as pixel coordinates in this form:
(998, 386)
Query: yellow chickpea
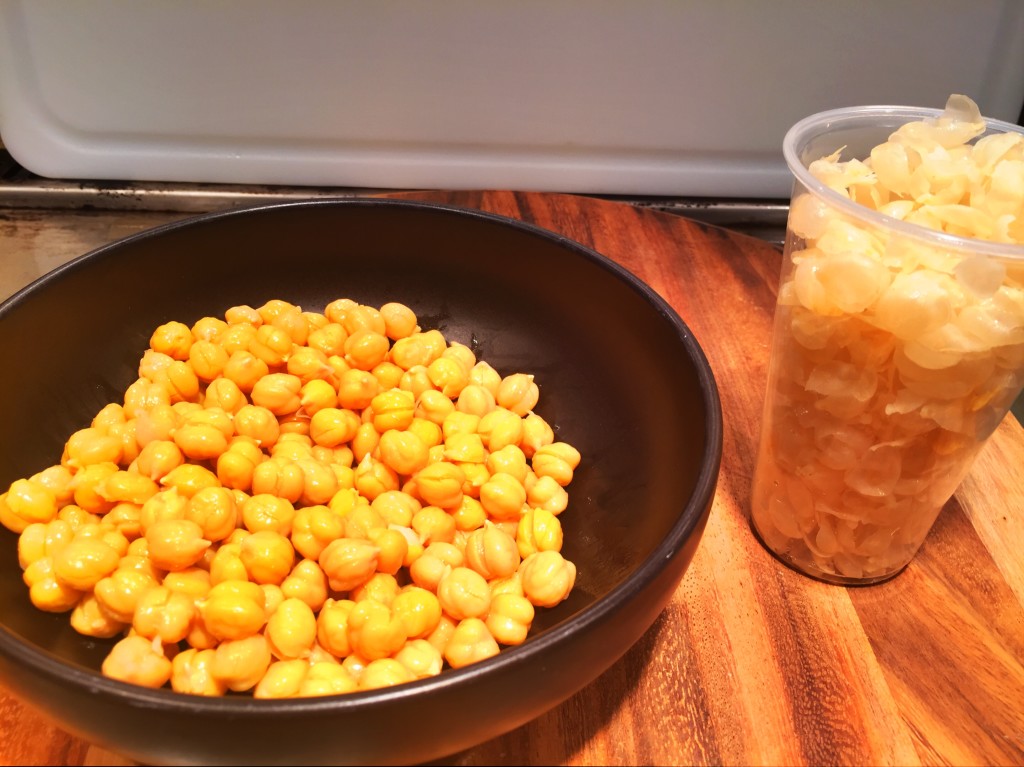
(278, 477)
(189, 478)
(282, 679)
(138, 660)
(374, 631)
(433, 524)
(470, 642)
(329, 339)
(291, 630)
(234, 609)
(175, 544)
(315, 395)
(313, 527)
(510, 618)
(448, 375)
(538, 530)
(463, 593)
(332, 626)
(435, 562)
(92, 445)
(356, 389)
(237, 337)
(536, 434)
(475, 400)
(545, 493)
(245, 369)
(90, 618)
(547, 578)
(327, 679)
(28, 501)
(193, 581)
(421, 658)
(396, 507)
(365, 349)
(503, 497)
(419, 348)
(557, 460)
(393, 409)
(399, 320)
(440, 484)
(83, 562)
(348, 562)
(57, 479)
(192, 673)
(333, 426)
(265, 511)
(418, 609)
(239, 664)
(278, 392)
(373, 477)
(307, 582)
(215, 511)
(164, 614)
(268, 556)
(384, 672)
(394, 549)
(381, 587)
(492, 552)
(469, 515)
(157, 458)
(208, 328)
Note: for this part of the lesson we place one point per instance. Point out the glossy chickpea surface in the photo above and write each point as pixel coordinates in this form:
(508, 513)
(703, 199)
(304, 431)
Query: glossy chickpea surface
(292, 503)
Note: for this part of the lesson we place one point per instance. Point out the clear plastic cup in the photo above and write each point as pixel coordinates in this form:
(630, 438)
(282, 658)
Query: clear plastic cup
(896, 351)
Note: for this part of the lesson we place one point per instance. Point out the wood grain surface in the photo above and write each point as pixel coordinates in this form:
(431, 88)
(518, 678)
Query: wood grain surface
(751, 663)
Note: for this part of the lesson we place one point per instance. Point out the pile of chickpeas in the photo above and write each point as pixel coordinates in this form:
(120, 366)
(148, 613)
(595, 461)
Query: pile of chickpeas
(295, 503)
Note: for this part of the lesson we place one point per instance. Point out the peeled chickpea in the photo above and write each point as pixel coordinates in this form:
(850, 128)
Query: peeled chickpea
(327, 679)
(83, 562)
(509, 618)
(291, 630)
(384, 672)
(538, 530)
(348, 562)
(239, 664)
(418, 609)
(138, 660)
(164, 614)
(503, 497)
(192, 673)
(492, 552)
(374, 631)
(306, 582)
(268, 556)
(399, 320)
(234, 609)
(470, 642)
(282, 679)
(547, 578)
(175, 544)
(463, 593)
(332, 626)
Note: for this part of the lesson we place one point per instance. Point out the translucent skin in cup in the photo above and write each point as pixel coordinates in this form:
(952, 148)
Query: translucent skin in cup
(898, 341)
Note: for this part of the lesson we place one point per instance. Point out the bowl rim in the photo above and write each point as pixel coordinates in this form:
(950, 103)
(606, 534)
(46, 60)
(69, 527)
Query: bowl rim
(699, 503)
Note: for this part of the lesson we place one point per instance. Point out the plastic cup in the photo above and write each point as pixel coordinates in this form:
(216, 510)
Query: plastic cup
(896, 351)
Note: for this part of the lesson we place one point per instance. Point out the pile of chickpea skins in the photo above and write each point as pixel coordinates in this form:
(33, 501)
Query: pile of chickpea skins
(294, 503)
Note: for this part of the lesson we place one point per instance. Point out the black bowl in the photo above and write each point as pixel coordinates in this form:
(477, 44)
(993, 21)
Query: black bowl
(621, 377)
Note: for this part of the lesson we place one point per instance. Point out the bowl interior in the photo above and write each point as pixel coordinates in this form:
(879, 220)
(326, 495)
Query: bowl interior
(620, 376)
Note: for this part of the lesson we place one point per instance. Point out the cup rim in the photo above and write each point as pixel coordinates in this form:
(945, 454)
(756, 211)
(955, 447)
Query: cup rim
(814, 123)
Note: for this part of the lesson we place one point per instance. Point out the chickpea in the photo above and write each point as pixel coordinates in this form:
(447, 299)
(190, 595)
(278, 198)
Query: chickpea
(500, 428)
(374, 631)
(313, 527)
(83, 562)
(384, 672)
(356, 389)
(268, 556)
(164, 614)
(306, 582)
(175, 544)
(503, 497)
(291, 630)
(510, 618)
(283, 679)
(192, 673)
(348, 562)
(333, 426)
(265, 511)
(234, 609)
(329, 339)
(440, 484)
(463, 593)
(332, 626)
(418, 609)
(239, 664)
(547, 578)
(536, 434)
(157, 458)
(138, 660)
(399, 320)
(215, 511)
(436, 561)
(470, 642)
(327, 679)
(88, 617)
(492, 552)
(538, 530)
